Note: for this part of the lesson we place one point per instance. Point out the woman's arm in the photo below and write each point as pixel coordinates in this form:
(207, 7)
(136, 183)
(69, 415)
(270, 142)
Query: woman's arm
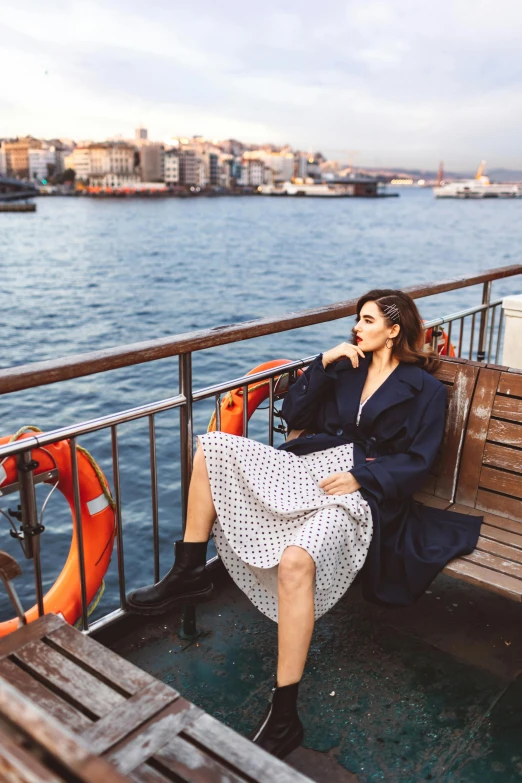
(397, 476)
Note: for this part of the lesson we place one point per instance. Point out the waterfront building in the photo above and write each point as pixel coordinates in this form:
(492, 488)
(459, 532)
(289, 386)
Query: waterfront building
(171, 167)
(141, 136)
(17, 155)
(152, 162)
(113, 164)
(188, 167)
(3, 161)
(79, 160)
(42, 163)
(201, 174)
(282, 162)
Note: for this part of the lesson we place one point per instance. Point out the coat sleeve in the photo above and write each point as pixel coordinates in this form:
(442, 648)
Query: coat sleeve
(304, 398)
(397, 476)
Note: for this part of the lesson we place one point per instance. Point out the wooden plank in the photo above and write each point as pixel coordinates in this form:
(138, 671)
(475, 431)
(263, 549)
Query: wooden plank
(76, 686)
(507, 408)
(447, 371)
(56, 740)
(190, 763)
(43, 697)
(506, 432)
(502, 536)
(18, 765)
(475, 436)
(499, 564)
(128, 716)
(501, 481)
(502, 457)
(511, 384)
(508, 586)
(459, 404)
(499, 505)
(499, 549)
(429, 485)
(147, 740)
(147, 774)
(99, 660)
(28, 633)
(240, 753)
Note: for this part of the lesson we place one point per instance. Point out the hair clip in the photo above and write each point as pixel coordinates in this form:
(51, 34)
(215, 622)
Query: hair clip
(392, 311)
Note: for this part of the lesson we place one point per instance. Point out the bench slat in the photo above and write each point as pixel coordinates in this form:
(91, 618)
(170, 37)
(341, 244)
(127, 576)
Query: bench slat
(190, 762)
(28, 633)
(45, 699)
(73, 684)
(507, 586)
(501, 481)
(499, 564)
(430, 500)
(501, 535)
(507, 408)
(475, 437)
(502, 550)
(510, 383)
(507, 432)
(101, 661)
(19, 766)
(499, 505)
(502, 457)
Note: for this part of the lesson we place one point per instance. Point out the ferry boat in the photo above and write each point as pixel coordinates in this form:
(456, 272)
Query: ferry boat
(429, 692)
(477, 188)
(306, 187)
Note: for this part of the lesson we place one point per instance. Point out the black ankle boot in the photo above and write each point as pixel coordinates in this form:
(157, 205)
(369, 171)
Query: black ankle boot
(186, 582)
(280, 732)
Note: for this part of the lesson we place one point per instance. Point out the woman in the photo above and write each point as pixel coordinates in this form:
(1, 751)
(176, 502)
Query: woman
(295, 525)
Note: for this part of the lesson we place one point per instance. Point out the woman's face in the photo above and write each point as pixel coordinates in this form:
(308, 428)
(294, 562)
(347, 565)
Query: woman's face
(372, 330)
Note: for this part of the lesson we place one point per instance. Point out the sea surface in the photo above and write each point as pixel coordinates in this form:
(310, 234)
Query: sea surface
(84, 274)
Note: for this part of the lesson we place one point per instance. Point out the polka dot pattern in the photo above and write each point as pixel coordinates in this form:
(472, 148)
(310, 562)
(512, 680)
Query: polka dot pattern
(267, 500)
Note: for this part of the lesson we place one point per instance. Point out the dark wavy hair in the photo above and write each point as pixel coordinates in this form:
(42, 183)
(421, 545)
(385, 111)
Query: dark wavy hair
(408, 346)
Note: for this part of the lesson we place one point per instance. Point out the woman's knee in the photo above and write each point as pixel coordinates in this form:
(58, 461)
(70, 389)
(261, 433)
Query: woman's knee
(296, 568)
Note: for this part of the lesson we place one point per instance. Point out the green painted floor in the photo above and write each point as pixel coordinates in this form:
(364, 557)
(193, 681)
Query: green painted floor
(431, 692)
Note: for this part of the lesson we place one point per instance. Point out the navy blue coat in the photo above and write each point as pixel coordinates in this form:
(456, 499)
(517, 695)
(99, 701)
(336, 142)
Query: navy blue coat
(395, 445)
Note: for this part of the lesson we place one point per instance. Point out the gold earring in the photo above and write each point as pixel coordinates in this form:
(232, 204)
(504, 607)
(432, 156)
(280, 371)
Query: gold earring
(386, 343)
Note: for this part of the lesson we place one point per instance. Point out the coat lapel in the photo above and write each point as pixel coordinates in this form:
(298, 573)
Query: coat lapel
(402, 384)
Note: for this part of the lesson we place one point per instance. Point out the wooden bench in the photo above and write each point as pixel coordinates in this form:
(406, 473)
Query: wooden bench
(68, 702)
(479, 470)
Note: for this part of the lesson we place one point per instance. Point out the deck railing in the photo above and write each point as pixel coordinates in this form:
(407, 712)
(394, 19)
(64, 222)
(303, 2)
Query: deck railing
(483, 340)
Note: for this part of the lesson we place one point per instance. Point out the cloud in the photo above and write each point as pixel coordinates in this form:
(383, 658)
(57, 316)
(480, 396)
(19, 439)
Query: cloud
(400, 81)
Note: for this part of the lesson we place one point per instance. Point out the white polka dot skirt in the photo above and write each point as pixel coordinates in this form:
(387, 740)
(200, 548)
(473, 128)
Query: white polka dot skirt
(267, 500)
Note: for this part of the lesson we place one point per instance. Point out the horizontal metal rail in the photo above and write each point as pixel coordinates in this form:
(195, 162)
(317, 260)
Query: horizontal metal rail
(42, 373)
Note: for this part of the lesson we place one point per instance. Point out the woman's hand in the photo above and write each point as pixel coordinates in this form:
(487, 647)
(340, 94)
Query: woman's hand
(339, 484)
(342, 351)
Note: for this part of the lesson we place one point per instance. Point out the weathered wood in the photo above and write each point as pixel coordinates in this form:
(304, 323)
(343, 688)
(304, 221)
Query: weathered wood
(143, 743)
(502, 457)
(237, 751)
(42, 373)
(499, 549)
(145, 773)
(508, 408)
(193, 765)
(76, 686)
(29, 633)
(47, 732)
(508, 586)
(430, 500)
(458, 409)
(501, 481)
(501, 535)
(496, 563)
(45, 699)
(100, 661)
(475, 437)
(128, 716)
(19, 766)
(511, 384)
(499, 505)
(506, 432)
(9, 568)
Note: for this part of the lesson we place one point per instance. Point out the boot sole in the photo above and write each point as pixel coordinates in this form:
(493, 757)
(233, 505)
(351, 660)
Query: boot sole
(171, 603)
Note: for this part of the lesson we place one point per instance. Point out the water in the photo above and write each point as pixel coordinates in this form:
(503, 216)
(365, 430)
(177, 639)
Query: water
(84, 274)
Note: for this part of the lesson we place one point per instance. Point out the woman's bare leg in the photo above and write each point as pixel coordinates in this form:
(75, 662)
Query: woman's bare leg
(200, 507)
(296, 613)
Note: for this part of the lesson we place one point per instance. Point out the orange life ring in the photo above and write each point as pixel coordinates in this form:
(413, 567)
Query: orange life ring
(232, 403)
(98, 518)
(444, 347)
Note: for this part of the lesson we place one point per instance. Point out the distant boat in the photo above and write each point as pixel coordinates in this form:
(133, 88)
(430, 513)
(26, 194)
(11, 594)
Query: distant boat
(303, 188)
(480, 187)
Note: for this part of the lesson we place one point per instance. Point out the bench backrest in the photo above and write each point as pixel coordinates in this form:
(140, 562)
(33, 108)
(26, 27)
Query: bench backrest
(460, 377)
(490, 476)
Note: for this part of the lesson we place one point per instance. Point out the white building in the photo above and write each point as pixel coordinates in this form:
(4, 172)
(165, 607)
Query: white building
(112, 165)
(3, 162)
(42, 163)
(171, 167)
(80, 161)
(201, 174)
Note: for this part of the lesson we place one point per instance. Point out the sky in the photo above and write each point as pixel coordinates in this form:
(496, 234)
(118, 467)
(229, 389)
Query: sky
(381, 82)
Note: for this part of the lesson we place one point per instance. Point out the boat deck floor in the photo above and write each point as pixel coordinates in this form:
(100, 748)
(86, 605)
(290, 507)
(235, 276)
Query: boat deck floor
(432, 692)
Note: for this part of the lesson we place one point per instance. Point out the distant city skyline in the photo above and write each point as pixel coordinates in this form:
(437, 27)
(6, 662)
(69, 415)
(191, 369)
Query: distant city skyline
(375, 82)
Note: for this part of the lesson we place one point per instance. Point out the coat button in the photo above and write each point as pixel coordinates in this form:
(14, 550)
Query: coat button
(339, 432)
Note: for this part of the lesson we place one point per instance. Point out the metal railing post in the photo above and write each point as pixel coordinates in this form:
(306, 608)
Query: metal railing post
(185, 388)
(29, 518)
(486, 297)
